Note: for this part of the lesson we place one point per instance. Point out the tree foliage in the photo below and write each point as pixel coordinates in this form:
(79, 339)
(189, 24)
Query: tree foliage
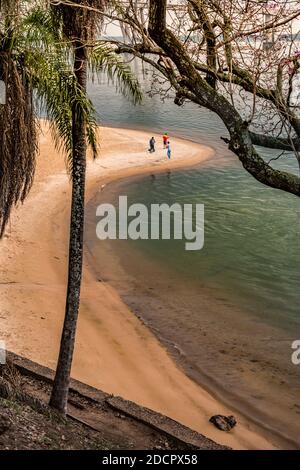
(36, 59)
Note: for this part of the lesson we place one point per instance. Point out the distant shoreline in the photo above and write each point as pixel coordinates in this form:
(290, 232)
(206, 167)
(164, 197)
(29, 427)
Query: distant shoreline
(114, 350)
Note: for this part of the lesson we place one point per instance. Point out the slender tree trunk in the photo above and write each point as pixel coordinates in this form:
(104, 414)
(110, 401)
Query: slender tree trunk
(59, 396)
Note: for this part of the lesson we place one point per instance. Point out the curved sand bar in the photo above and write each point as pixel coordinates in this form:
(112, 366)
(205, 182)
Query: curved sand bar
(114, 350)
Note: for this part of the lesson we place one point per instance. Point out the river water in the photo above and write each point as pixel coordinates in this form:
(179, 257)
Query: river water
(229, 312)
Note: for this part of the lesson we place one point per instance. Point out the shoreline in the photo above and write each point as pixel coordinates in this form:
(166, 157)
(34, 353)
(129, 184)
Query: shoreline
(33, 283)
(142, 295)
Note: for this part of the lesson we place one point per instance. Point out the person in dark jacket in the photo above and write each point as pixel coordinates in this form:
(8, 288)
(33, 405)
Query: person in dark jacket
(152, 145)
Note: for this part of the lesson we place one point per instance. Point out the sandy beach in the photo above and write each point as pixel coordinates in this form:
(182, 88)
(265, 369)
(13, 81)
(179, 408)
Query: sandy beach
(114, 350)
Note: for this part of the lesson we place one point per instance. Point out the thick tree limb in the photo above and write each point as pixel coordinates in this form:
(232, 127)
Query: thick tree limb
(278, 143)
(240, 138)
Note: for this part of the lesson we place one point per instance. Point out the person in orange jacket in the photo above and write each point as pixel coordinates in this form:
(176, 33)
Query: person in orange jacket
(165, 139)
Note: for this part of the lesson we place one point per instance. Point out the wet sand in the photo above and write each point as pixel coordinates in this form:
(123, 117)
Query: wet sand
(114, 350)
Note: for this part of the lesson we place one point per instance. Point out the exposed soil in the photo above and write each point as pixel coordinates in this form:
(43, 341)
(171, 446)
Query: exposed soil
(26, 421)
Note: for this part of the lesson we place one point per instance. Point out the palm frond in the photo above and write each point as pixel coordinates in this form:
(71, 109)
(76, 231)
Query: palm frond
(102, 58)
(36, 63)
(38, 29)
(18, 147)
(58, 92)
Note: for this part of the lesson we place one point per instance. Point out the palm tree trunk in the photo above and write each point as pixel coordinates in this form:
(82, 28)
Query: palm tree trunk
(59, 396)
